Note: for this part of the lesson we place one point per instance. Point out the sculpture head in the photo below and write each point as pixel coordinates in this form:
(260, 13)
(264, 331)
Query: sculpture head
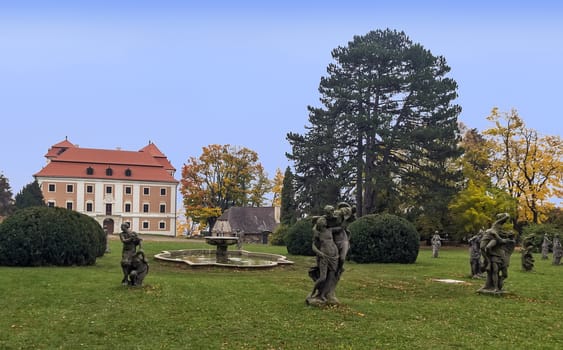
(125, 226)
(329, 210)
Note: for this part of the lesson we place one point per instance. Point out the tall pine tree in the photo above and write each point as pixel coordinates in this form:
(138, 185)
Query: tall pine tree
(387, 132)
(30, 196)
(6, 200)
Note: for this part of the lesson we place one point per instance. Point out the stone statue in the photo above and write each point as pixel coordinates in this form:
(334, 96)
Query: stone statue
(139, 268)
(496, 247)
(527, 257)
(331, 245)
(557, 250)
(436, 244)
(475, 255)
(545, 247)
(106, 231)
(130, 241)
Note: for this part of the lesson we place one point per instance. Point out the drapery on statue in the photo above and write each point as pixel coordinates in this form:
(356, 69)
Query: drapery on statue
(130, 241)
(496, 247)
(331, 245)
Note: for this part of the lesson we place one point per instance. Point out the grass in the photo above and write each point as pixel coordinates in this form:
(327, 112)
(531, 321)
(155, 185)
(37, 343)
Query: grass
(384, 306)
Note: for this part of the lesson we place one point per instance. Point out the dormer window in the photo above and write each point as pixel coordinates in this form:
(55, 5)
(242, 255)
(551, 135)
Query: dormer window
(109, 171)
(127, 172)
(89, 171)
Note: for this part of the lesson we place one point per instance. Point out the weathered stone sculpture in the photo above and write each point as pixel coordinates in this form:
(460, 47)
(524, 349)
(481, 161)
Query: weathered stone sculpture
(330, 244)
(545, 247)
(496, 247)
(557, 250)
(527, 257)
(139, 269)
(130, 241)
(475, 255)
(436, 244)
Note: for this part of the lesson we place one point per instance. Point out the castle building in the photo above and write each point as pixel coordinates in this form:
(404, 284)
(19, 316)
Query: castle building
(113, 186)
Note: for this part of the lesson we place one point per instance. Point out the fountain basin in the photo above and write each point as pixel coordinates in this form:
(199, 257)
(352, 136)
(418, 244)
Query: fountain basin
(234, 258)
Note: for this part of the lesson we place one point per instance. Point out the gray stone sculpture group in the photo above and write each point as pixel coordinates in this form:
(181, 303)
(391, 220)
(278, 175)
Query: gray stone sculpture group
(134, 264)
(330, 244)
(496, 247)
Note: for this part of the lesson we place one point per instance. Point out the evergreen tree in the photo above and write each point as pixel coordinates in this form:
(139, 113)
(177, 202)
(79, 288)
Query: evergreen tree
(6, 200)
(288, 209)
(30, 196)
(387, 133)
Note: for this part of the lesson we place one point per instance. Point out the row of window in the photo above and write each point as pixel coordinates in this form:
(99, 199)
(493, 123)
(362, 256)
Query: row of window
(109, 207)
(109, 189)
(109, 171)
(145, 225)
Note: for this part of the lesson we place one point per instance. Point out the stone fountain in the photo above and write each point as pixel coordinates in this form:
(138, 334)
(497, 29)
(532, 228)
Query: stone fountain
(222, 243)
(221, 256)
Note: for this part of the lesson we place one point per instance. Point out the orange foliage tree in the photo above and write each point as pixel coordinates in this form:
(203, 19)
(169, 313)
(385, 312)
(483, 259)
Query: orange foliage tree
(222, 177)
(525, 164)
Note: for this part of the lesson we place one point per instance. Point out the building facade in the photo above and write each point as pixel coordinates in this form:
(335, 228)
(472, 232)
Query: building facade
(113, 186)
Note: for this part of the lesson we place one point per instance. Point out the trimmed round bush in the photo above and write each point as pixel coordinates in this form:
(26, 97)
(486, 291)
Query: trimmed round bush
(38, 236)
(278, 236)
(383, 238)
(299, 238)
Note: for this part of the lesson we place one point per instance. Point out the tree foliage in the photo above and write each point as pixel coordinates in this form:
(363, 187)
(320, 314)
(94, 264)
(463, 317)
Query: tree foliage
(525, 164)
(277, 186)
(6, 200)
(472, 208)
(386, 134)
(222, 177)
(288, 209)
(30, 196)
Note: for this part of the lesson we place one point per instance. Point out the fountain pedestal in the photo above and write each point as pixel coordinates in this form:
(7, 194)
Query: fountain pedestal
(222, 243)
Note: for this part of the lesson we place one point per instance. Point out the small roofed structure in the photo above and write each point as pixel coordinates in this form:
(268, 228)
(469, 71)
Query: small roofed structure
(252, 224)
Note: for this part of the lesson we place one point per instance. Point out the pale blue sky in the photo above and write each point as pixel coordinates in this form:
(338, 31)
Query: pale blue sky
(187, 74)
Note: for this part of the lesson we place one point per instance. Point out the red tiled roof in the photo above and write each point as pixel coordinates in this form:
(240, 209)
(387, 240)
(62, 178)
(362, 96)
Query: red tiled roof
(160, 157)
(74, 162)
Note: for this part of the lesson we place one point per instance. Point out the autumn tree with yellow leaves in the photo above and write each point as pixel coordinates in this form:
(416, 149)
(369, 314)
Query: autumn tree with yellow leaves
(222, 177)
(525, 164)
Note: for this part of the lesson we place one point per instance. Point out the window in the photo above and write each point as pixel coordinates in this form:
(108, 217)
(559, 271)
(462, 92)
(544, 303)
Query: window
(162, 225)
(89, 206)
(109, 171)
(51, 204)
(163, 208)
(109, 189)
(52, 188)
(145, 208)
(128, 190)
(163, 191)
(89, 171)
(146, 191)
(127, 172)
(108, 209)
(69, 205)
(127, 207)
(89, 189)
(145, 224)
(69, 188)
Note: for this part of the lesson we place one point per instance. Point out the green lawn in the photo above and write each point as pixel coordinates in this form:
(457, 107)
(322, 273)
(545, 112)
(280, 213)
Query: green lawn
(384, 306)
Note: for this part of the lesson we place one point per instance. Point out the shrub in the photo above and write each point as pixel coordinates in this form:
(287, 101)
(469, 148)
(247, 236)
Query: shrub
(37, 236)
(383, 238)
(534, 234)
(278, 236)
(299, 238)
